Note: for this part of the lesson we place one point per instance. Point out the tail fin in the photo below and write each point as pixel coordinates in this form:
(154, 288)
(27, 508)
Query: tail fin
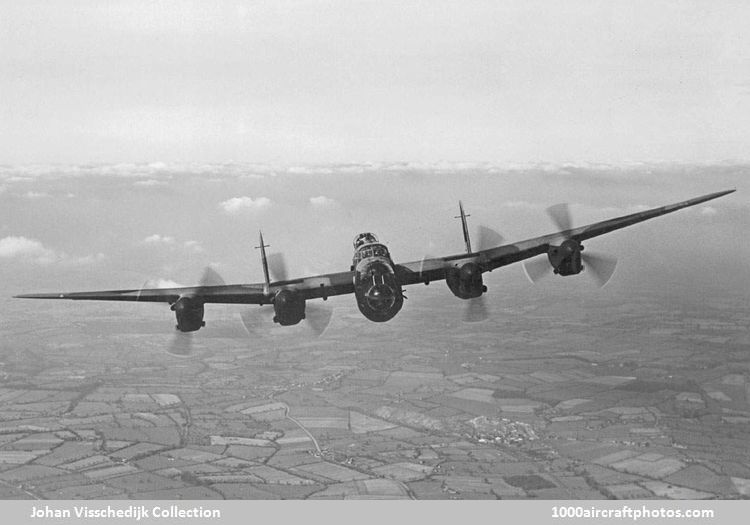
(264, 260)
(465, 227)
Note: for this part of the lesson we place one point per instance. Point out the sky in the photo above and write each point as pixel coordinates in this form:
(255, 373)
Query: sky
(136, 81)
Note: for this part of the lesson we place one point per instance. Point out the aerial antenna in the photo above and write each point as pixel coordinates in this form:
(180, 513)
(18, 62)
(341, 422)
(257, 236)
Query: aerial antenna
(264, 260)
(463, 216)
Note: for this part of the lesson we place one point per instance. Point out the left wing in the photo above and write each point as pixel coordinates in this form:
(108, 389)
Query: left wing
(309, 287)
(435, 269)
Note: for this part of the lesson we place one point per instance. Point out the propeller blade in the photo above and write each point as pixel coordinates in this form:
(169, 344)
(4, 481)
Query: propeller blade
(181, 344)
(318, 318)
(257, 321)
(143, 287)
(476, 310)
(211, 277)
(424, 267)
(601, 267)
(560, 215)
(537, 268)
(277, 266)
(488, 238)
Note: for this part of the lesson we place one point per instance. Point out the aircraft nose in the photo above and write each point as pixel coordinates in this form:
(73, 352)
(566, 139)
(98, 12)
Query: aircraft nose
(380, 297)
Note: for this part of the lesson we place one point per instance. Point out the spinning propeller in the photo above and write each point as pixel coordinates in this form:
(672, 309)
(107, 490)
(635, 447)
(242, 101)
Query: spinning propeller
(181, 344)
(257, 321)
(476, 308)
(600, 267)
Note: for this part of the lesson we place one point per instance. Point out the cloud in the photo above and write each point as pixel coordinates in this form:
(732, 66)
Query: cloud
(35, 195)
(522, 205)
(158, 239)
(322, 201)
(23, 248)
(614, 211)
(148, 183)
(239, 204)
(194, 246)
(162, 283)
(311, 170)
(709, 210)
(88, 259)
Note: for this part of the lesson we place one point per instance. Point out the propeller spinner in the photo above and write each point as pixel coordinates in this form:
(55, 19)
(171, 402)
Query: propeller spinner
(181, 344)
(317, 317)
(599, 267)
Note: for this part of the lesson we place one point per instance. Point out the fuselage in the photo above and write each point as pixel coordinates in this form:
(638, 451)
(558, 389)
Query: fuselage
(376, 285)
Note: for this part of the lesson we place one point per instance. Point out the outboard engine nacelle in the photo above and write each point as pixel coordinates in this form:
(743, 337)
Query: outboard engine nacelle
(566, 258)
(466, 282)
(189, 314)
(289, 308)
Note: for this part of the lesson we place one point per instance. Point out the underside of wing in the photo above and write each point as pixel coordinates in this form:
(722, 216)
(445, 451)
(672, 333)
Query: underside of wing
(321, 286)
(434, 269)
(236, 293)
(318, 286)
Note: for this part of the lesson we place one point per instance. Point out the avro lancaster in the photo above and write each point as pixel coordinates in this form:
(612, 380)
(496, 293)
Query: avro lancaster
(377, 281)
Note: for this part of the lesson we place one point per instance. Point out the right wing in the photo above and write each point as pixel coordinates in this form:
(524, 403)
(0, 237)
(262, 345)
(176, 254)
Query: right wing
(434, 269)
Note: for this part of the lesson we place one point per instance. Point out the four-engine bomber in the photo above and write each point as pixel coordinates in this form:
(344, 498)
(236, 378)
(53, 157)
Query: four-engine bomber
(377, 282)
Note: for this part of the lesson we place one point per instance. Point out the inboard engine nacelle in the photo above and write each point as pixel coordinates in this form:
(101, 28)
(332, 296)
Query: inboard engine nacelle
(288, 307)
(189, 313)
(466, 281)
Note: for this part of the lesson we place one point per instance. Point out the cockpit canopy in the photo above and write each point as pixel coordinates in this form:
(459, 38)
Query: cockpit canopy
(364, 238)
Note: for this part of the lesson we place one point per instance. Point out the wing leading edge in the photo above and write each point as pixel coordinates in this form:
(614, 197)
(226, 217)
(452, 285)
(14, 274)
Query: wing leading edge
(434, 269)
(321, 286)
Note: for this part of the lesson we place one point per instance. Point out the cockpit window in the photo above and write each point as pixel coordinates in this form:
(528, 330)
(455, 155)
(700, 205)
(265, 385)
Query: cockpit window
(364, 238)
(371, 250)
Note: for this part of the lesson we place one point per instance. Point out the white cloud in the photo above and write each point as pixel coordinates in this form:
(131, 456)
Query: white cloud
(522, 205)
(613, 211)
(31, 250)
(158, 239)
(22, 247)
(162, 283)
(194, 246)
(239, 204)
(149, 183)
(310, 170)
(35, 195)
(322, 201)
(709, 210)
(88, 259)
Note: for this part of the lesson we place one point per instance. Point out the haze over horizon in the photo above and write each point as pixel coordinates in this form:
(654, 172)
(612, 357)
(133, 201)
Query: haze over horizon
(66, 228)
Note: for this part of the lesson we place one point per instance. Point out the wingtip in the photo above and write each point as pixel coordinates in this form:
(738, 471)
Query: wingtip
(41, 296)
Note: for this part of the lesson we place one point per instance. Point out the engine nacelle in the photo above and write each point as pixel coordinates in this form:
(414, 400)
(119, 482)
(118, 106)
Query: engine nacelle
(466, 282)
(189, 314)
(566, 258)
(288, 307)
